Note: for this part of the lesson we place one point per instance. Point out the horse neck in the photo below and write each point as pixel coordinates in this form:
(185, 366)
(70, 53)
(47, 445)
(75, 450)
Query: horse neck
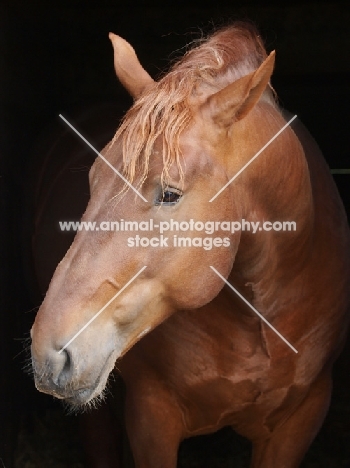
(276, 187)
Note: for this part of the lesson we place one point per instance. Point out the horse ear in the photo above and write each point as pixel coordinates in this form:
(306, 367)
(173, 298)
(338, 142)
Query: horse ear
(128, 69)
(236, 100)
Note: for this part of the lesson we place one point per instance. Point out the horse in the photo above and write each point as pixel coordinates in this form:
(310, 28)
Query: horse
(241, 330)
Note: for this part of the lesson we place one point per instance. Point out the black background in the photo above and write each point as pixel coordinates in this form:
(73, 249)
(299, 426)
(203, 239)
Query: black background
(57, 59)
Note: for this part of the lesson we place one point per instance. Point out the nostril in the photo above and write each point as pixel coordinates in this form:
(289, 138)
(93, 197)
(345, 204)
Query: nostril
(68, 363)
(61, 367)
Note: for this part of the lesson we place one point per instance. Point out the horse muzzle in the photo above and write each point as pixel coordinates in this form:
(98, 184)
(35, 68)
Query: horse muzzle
(70, 378)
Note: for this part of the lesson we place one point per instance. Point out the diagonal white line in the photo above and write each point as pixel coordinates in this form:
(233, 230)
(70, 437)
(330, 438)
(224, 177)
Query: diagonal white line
(254, 309)
(101, 310)
(103, 158)
(251, 160)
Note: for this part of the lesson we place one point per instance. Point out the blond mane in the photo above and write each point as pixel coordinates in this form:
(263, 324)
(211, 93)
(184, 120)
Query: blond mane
(164, 111)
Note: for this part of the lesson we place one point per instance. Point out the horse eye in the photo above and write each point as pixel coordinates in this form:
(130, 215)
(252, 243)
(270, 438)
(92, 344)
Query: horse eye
(168, 197)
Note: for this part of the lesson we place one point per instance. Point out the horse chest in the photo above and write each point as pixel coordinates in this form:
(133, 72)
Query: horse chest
(217, 374)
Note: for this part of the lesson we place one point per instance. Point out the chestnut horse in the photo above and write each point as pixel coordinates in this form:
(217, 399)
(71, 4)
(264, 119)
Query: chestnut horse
(193, 355)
